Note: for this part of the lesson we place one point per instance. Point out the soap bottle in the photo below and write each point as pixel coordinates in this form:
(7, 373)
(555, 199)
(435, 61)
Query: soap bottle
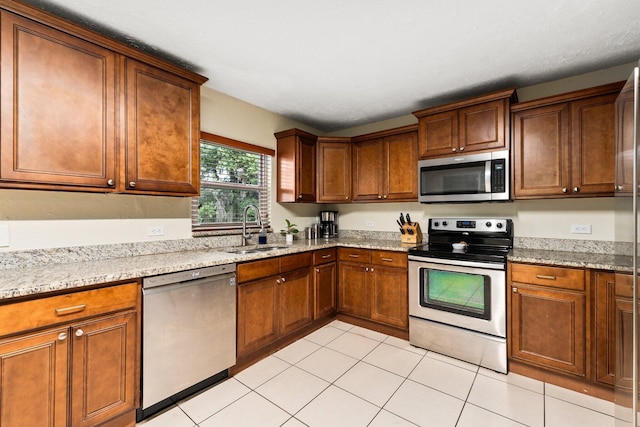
(262, 236)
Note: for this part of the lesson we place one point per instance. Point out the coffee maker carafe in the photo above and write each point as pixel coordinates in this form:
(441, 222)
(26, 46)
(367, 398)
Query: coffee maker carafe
(328, 224)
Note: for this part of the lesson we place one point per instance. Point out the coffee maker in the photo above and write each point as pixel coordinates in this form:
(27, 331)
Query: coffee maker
(328, 224)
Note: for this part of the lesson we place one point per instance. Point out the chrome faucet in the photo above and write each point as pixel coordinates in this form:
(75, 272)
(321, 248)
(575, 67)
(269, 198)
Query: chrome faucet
(246, 236)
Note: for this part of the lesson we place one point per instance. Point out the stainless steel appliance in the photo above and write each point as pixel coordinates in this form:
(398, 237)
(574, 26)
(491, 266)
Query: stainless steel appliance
(328, 224)
(465, 178)
(457, 296)
(188, 334)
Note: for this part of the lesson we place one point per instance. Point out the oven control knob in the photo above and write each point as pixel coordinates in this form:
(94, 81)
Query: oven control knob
(445, 223)
(488, 224)
(436, 224)
(499, 225)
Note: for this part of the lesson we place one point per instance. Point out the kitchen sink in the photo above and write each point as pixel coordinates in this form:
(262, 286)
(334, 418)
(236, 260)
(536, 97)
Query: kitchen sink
(254, 249)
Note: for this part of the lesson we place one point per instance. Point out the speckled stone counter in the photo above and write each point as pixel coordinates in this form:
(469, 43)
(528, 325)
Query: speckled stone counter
(55, 276)
(571, 259)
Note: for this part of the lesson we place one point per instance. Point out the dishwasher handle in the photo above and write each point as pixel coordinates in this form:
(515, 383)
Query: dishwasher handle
(188, 275)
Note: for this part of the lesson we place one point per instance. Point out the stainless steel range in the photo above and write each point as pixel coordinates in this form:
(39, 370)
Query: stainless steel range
(457, 290)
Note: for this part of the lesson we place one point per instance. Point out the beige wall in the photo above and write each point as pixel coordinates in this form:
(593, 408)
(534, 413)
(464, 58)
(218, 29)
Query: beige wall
(42, 219)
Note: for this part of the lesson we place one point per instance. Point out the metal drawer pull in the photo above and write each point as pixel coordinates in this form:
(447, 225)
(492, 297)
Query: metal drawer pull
(387, 259)
(79, 332)
(354, 256)
(70, 310)
(326, 256)
(62, 336)
(540, 276)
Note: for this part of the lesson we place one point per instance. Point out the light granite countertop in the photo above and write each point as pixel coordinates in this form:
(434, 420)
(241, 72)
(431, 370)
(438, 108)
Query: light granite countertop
(37, 279)
(558, 258)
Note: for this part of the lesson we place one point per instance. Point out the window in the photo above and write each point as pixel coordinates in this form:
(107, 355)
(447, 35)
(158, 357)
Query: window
(233, 174)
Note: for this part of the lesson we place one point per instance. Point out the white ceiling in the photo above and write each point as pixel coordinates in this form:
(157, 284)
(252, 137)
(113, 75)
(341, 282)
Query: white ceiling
(333, 64)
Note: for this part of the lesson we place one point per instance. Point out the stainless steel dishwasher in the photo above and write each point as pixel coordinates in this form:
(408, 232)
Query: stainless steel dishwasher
(188, 334)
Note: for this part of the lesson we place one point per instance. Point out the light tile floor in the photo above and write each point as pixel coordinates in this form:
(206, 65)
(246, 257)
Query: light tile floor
(344, 375)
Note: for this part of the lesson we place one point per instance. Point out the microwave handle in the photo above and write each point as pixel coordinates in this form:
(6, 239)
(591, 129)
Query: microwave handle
(488, 165)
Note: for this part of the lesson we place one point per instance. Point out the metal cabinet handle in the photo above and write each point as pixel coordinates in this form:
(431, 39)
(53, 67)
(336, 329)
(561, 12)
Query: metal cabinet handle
(564, 189)
(454, 149)
(326, 256)
(461, 148)
(576, 189)
(299, 196)
(317, 270)
(366, 269)
(70, 310)
(278, 281)
(110, 183)
(387, 259)
(132, 184)
(62, 336)
(346, 197)
(379, 196)
(619, 187)
(540, 276)
(384, 197)
(354, 256)
(79, 332)
(515, 290)
(372, 269)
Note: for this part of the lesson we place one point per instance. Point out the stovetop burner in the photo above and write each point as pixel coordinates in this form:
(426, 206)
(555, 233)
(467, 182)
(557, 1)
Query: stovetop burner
(486, 239)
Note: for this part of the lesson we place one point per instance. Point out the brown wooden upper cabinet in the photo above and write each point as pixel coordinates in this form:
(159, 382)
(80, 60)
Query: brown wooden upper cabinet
(61, 92)
(473, 125)
(296, 166)
(564, 146)
(385, 165)
(334, 170)
(625, 140)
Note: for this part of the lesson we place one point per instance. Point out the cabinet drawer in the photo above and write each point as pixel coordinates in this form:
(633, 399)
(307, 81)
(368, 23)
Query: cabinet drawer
(389, 258)
(257, 269)
(557, 277)
(354, 255)
(624, 285)
(295, 262)
(27, 315)
(324, 256)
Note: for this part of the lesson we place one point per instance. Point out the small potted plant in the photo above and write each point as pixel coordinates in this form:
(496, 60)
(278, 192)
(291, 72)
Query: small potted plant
(289, 231)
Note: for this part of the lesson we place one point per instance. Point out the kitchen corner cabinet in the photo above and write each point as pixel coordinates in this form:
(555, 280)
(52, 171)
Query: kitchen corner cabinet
(64, 95)
(384, 166)
(372, 285)
(324, 282)
(564, 146)
(547, 326)
(334, 170)
(275, 298)
(71, 360)
(296, 166)
(613, 329)
(472, 125)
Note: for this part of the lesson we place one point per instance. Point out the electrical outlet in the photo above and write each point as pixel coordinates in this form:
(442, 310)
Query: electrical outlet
(581, 228)
(4, 235)
(370, 223)
(156, 230)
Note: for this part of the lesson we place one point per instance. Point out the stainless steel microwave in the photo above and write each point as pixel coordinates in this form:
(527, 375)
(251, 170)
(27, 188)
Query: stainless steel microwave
(468, 178)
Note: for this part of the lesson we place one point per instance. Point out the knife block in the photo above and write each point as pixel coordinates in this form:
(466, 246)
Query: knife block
(412, 233)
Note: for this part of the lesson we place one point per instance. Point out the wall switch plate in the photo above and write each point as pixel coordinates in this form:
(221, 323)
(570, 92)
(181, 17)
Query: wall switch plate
(581, 228)
(370, 223)
(156, 230)
(4, 235)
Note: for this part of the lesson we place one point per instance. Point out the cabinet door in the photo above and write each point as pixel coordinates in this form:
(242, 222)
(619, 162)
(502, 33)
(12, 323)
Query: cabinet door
(388, 293)
(541, 151)
(625, 152)
(400, 171)
(103, 369)
(295, 309)
(593, 145)
(57, 103)
(334, 172)
(324, 279)
(605, 322)
(33, 379)
(548, 328)
(306, 171)
(162, 145)
(623, 335)
(438, 134)
(257, 318)
(482, 126)
(367, 169)
(353, 296)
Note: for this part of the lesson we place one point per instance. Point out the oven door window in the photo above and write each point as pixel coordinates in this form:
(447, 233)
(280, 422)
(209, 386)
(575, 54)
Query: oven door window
(462, 293)
(468, 178)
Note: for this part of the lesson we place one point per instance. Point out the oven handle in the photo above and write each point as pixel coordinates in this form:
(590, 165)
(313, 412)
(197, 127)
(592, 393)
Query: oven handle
(456, 262)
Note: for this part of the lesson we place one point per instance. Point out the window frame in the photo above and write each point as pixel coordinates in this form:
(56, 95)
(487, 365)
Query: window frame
(196, 226)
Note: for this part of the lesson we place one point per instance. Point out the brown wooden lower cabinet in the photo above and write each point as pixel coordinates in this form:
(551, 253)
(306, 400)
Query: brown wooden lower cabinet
(79, 373)
(372, 285)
